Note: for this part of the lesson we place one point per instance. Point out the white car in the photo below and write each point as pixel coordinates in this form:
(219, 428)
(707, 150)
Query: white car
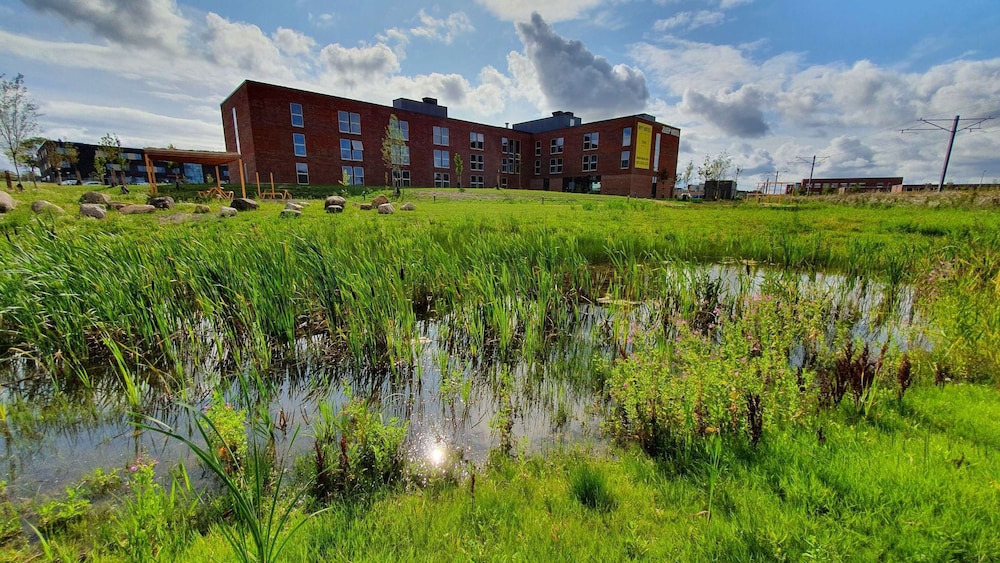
(92, 183)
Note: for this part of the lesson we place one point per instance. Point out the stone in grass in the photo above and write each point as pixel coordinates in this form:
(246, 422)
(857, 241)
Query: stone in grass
(334, 209)
(136, 209)
(408, 207)
(161, 202)
(7, 202)
(335, 200)
(96, 197)
(42, 206)
(93, 210)
(366, 206)
(386, 209)
(294, 206)
(244, 204)
(201, 208)
(290, 213)
(118, 205)
(379, 200)
(227, 211)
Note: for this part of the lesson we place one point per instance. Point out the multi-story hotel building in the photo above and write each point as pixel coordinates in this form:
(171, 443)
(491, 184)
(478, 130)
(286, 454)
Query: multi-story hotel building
(310, 138)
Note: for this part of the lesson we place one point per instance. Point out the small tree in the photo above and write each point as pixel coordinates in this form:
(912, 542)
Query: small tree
(18, 118)
(685, 177)
(716, 168)
(459, 167)
(28, 156)
(109, 152)
(54, 158)
(393, 151)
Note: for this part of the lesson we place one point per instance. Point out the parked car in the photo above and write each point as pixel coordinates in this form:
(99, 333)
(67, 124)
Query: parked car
(71, 182)
(92, 183)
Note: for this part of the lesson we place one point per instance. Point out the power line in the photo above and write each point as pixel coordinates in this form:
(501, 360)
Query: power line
(933, 126)
(812, 166)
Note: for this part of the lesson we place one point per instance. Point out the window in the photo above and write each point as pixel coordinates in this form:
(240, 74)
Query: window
(401, 178)
(505, 165)
(442, 180)
(441, 159)
(555, 166)
(556, 146)
(626, 156)
(299, 142)
(590, 141)
(302, 172)
(538, 167)
(589, 162)
(538, 148)
(132, 156)
(401, 155)
(476, 162)
(626, 138)
(349, 122)
(441, 136)
(296, 110)
(503, 182)
(476, 182)
(476, 141)
(404, 132)
(351, 149)
(355, 175)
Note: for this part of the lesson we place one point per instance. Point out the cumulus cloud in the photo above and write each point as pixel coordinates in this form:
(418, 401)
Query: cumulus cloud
(293, 42)
(244, 47)
(730, 4)
(355, 65)
(444, 29)
(571, 76)
(737, 113)
(150, 21)
(689, 20)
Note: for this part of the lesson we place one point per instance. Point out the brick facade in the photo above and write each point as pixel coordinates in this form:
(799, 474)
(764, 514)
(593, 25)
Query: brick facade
(263, 116)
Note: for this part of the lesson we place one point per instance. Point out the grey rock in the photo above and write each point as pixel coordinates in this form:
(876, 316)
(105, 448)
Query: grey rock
(366, 206)
(386, 209)
(96, 197)
(227, 211)
(293, 206)
(334, 209)
(200, 208)
(244, 204)
(379, 200)
(117, 205)
(290, 213)
(7, 202)
(136, 209)
(43, 206)
(94, 210)
(161, 202)
(408, 207)
(335, 200)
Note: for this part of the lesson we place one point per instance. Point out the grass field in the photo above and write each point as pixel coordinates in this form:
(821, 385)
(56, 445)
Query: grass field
(755, 423)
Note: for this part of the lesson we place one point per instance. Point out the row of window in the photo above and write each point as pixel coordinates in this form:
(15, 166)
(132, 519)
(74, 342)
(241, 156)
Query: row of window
(589, 163)
(590, 142)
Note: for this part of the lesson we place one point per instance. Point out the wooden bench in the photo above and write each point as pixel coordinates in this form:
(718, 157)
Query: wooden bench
(282, 195)
(216, 192)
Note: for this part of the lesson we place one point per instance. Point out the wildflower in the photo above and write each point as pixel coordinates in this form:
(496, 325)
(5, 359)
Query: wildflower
(133, 469)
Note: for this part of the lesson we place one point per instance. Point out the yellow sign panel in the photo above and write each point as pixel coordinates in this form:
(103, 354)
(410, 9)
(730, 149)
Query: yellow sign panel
(643, 144)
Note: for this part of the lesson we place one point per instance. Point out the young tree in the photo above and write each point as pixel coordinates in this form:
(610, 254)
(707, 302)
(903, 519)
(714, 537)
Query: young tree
(716, 168)
(72, 156)
(394, 151)
(18, 118)
(685, 177)
(109, 152)
(28, 155)
(459, 167)
(54, 158)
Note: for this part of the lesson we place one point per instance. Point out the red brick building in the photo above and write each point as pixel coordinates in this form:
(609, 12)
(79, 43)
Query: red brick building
(309, 138)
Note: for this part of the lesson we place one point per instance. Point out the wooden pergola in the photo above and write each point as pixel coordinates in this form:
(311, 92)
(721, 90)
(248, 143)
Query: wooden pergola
(211, 158)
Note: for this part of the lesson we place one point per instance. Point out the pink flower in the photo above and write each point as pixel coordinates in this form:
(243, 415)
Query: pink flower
(133, 469)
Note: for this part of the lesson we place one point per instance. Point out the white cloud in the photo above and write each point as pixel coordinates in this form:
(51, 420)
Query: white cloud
(443, 30)
(689, 20)
(352, 66)
(730, 4)
(292, 42)
(552, 10)
(136, 24)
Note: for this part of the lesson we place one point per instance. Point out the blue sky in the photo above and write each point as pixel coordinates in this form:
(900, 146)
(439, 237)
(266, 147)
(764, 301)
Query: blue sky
(766, 81)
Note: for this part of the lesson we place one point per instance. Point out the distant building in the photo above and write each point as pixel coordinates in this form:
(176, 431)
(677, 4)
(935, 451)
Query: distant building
(135, 171)
(849, 185)
(310, 138)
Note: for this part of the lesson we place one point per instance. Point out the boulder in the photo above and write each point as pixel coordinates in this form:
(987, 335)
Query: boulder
(200, 208)
(408, 207)
(43, 206)
(379, 200)
(334, 209)
(366, 206)
(94, 210)
(227, 211)
(290, 213)
(293, 206)
(335, 200)
(96, 197)
(6, 202)
(136, 209)
(386, 209)
(117, 205)
(161, 202)
(243, 204)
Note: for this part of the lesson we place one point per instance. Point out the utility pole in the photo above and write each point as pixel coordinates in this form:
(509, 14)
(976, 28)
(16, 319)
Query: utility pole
(812, 167)
(951, 139)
